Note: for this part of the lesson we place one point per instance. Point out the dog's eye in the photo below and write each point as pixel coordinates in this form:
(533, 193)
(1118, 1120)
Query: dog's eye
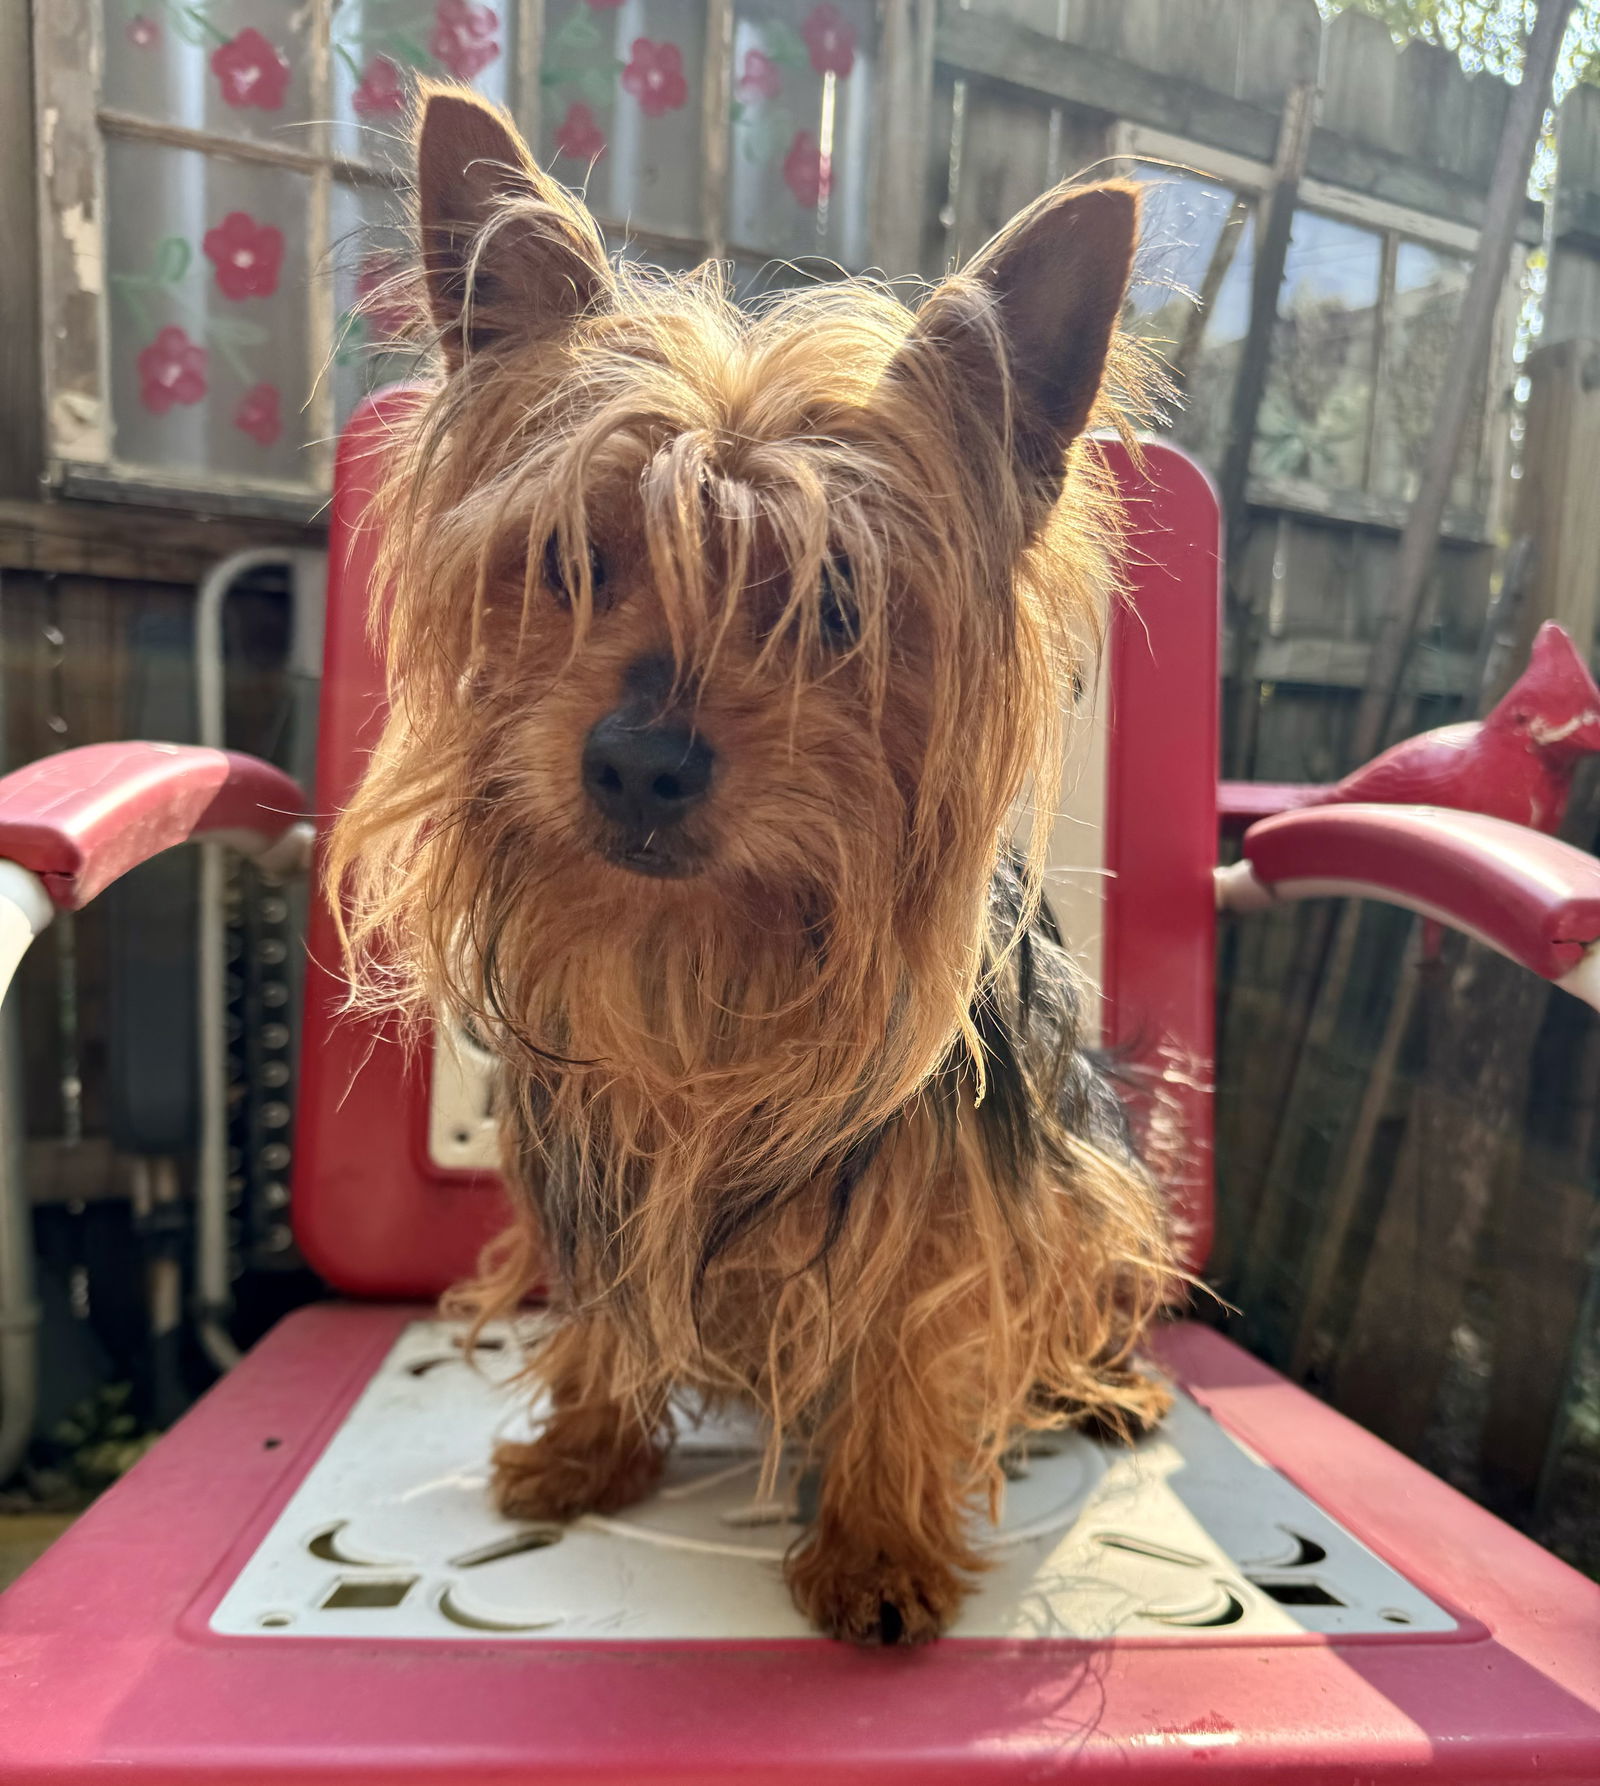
(555, 572)
(837, 615)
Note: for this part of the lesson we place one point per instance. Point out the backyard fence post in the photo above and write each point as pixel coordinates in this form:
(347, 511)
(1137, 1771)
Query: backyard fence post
(1555, 507)
(1470, 1172)
(1418, 544)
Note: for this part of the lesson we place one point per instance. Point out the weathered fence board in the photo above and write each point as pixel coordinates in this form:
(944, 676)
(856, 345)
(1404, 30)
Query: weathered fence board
(1004, 163)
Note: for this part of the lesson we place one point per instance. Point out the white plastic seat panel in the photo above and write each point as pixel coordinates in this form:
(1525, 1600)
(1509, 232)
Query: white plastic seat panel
(390, 1535)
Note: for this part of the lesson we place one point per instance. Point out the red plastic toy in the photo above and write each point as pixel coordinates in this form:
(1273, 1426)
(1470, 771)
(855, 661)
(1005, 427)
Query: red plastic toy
(300, 1584)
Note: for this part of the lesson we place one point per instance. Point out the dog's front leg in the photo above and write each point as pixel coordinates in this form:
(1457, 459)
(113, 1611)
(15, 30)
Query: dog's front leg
(596, 1452)
(886, 1558)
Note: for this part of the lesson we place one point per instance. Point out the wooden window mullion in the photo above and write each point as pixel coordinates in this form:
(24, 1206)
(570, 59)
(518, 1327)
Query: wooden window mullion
(1382, 357)
(72, 235)
(715, 128)
(527, 97)
(319, 287)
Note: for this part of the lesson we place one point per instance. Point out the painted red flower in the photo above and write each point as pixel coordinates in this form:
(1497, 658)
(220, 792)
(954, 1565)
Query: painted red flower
(381, 89)
(379, 296)
(247, 255)
(761, 78)
(259, 414)
(831, 39)
(579, 135)
(463, 37)
(143, 31)
(654, 77)
(806, 170)
(172, 369)
(251, 71)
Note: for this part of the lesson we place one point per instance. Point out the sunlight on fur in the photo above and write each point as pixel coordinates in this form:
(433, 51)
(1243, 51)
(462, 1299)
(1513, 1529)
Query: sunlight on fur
(800, 1113)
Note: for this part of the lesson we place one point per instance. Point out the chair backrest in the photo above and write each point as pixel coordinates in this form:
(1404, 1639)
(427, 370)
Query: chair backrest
(394, 1192)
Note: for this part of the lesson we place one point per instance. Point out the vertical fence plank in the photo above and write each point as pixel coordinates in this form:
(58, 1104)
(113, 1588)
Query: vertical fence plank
(1004, 163)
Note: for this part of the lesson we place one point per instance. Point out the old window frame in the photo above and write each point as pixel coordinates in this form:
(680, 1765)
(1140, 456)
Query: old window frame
(1394, 224)
(74, 127)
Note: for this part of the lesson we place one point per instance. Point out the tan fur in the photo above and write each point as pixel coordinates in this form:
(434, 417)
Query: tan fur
(693, 1063)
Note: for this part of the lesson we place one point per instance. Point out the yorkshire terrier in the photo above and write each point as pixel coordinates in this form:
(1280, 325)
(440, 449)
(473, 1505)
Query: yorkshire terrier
(725, 648)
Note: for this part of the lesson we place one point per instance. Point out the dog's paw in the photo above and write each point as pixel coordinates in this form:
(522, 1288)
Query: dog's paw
(871, 1598)
(1132, 1405)
(1142, 1403)
(551, 1480)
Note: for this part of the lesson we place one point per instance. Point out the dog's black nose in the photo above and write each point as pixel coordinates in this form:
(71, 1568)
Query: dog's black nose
(643, 776)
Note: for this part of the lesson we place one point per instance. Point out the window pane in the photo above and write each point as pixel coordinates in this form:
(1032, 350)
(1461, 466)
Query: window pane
(369, 244)
(1190, 297)
(1201, 424)
(1318, 403)
(379, 47)
(622, 88)
(801, 122)
(1428, 288)
(1180, 225)
(240, 67)
(208, 302)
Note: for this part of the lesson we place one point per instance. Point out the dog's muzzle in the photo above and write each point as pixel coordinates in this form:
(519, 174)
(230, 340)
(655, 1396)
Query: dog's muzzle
(645, 776)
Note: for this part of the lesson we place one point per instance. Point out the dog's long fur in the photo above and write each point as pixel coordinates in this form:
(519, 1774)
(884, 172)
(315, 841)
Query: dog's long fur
(810, 1124)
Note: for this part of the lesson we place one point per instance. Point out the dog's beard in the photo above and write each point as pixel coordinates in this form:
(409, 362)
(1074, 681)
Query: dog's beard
(687, 991)
(686, 1067)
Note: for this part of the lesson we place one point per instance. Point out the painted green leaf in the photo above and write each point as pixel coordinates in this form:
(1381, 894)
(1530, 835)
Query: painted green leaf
(173, 255)
(407, 51)
(131, 289)
(785, 45)
(194, 24)
(350, 332)
(595, 84)
(235, 332)
(577, 32)
(188, 27)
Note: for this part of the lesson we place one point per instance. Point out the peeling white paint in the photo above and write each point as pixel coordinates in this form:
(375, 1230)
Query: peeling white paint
(81, 232)
(47, 144)
(78, 427)
(1544, 733)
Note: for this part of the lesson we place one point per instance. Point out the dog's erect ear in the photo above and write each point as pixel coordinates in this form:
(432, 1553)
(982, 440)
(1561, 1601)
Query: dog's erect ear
(1058, 274)
(508, 255)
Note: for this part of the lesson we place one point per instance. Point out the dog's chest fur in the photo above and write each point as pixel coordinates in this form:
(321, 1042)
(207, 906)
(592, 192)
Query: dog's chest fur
(719, 1293)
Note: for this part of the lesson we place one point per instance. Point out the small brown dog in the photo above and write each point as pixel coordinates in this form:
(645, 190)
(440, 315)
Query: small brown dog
(722, 649)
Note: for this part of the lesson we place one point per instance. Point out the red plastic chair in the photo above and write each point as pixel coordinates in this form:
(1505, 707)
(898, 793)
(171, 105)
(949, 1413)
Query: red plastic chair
(302, 1583)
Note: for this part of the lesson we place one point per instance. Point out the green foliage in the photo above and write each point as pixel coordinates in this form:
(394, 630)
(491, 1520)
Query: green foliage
(97, 1441)
(1488, 34)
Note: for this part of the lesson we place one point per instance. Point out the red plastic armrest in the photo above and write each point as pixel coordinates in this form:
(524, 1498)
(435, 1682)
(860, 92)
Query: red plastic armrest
(81, 818)
(1532, 897)
(1243, 803)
